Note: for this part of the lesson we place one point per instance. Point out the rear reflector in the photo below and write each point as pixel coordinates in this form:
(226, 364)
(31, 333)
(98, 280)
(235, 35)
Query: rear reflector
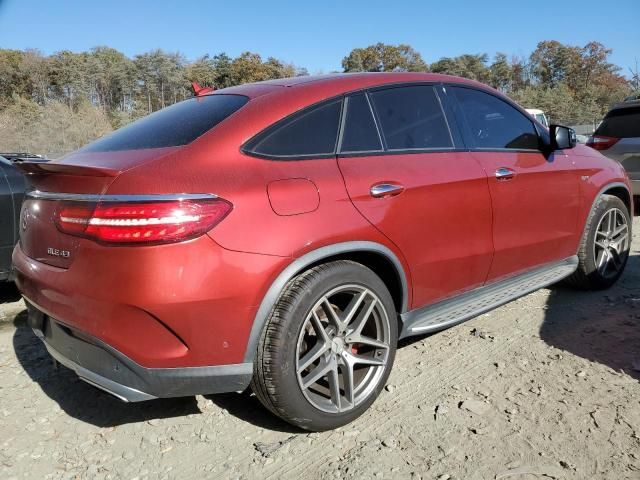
(141, 222)
(600, 142)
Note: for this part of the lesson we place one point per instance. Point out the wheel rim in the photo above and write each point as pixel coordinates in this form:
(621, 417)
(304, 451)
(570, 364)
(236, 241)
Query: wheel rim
(343, 348)
(611, 244)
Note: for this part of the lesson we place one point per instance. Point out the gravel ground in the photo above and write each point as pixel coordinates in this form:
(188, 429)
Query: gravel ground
(545, 387)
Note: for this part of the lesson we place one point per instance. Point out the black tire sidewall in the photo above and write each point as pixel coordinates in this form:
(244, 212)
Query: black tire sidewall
(604, 204)
(292, 403)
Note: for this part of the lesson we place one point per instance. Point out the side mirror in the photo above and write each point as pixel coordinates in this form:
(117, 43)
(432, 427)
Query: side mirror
(562, 137)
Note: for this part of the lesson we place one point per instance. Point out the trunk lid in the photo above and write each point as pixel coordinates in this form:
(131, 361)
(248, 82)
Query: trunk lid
(80, 173)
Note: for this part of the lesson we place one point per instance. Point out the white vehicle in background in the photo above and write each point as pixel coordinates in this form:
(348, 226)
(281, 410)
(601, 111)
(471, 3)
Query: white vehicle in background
(538, 115)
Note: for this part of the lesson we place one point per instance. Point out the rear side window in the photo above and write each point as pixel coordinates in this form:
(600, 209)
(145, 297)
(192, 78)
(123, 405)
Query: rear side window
(493, 123)
(173, 126)
(621, 123)
(360, 133)
(310, 133)
(411, 118)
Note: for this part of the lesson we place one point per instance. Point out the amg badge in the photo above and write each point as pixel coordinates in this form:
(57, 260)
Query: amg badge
(54, 252)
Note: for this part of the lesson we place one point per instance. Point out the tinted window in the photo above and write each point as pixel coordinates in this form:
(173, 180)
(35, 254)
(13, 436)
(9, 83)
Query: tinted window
(312, 132)
(360, 133)
(494, 123)
(621, 123)
(411, 117)
(178, 124)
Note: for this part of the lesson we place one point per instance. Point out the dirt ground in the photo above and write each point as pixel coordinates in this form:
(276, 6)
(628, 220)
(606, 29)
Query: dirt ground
(545, 387)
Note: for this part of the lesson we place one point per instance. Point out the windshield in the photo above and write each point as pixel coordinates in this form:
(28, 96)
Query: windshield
(173, 126)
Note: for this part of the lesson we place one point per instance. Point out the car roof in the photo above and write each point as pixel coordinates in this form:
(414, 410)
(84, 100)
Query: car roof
(341, 82)
(625, 104)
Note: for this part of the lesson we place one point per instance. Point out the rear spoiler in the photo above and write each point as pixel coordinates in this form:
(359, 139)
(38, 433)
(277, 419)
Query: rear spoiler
(39, 167)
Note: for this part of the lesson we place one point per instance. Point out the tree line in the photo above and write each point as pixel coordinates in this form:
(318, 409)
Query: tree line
(56, 103)
(573, 84)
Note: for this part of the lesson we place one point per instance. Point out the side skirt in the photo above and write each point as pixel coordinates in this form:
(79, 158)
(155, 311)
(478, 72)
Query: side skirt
(467, 305)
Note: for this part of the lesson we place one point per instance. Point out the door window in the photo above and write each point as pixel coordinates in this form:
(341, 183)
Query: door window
(310, 133)
(411, 118)
(360, 133)
(493, 123)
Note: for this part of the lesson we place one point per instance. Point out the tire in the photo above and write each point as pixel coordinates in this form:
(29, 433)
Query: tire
(293, 338)
(592, 274)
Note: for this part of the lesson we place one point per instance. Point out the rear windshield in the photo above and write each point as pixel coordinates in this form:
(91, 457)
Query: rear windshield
(173, 126)
(621, 123)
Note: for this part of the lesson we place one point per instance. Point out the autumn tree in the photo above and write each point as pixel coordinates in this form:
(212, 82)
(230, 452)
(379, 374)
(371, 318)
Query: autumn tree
(473, 66)
(384, 58)
(500, 73)
(67, 98)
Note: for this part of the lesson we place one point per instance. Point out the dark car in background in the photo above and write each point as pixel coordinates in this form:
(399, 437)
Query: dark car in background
(12, 189)
(618, 137)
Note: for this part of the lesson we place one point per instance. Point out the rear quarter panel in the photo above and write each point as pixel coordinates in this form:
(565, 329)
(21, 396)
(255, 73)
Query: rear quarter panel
(215, 164)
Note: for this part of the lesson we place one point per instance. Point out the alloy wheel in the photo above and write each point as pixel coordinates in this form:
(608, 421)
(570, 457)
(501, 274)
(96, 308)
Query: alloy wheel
(611, 244)
(343, 348)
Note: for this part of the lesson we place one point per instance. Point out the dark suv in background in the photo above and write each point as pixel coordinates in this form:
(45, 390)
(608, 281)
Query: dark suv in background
(618, 137)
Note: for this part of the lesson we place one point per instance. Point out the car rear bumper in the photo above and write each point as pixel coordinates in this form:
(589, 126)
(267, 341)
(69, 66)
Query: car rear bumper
(182, 305)
(104, 367)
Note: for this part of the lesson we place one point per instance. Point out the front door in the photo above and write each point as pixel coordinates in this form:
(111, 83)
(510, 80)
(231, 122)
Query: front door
(535, 195)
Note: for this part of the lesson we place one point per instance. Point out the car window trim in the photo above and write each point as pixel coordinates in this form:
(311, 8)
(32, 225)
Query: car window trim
(402, 152)
(448, 106)
(375, 121)
(461, 119)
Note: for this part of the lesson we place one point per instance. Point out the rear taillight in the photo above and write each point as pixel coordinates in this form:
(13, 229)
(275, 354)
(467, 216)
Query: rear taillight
(141, 222)
(600, 142)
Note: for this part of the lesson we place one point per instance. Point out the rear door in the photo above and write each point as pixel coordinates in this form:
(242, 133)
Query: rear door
(404, 173)
(535, 196)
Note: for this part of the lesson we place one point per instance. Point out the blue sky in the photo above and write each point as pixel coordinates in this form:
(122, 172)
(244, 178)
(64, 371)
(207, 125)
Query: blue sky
(317, 35)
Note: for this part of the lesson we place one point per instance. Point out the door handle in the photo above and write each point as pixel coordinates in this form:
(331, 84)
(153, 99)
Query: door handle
(386, 190)
(504, 173)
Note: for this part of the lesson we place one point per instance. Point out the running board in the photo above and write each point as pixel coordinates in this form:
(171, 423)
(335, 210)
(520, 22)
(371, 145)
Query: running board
(465, 306)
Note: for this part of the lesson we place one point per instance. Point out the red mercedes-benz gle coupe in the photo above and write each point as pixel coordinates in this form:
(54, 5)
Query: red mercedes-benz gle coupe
(284, 235)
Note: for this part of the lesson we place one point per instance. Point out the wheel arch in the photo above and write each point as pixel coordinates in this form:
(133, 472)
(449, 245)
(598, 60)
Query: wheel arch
(617, 189)
(373, 255)
(621, 191)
